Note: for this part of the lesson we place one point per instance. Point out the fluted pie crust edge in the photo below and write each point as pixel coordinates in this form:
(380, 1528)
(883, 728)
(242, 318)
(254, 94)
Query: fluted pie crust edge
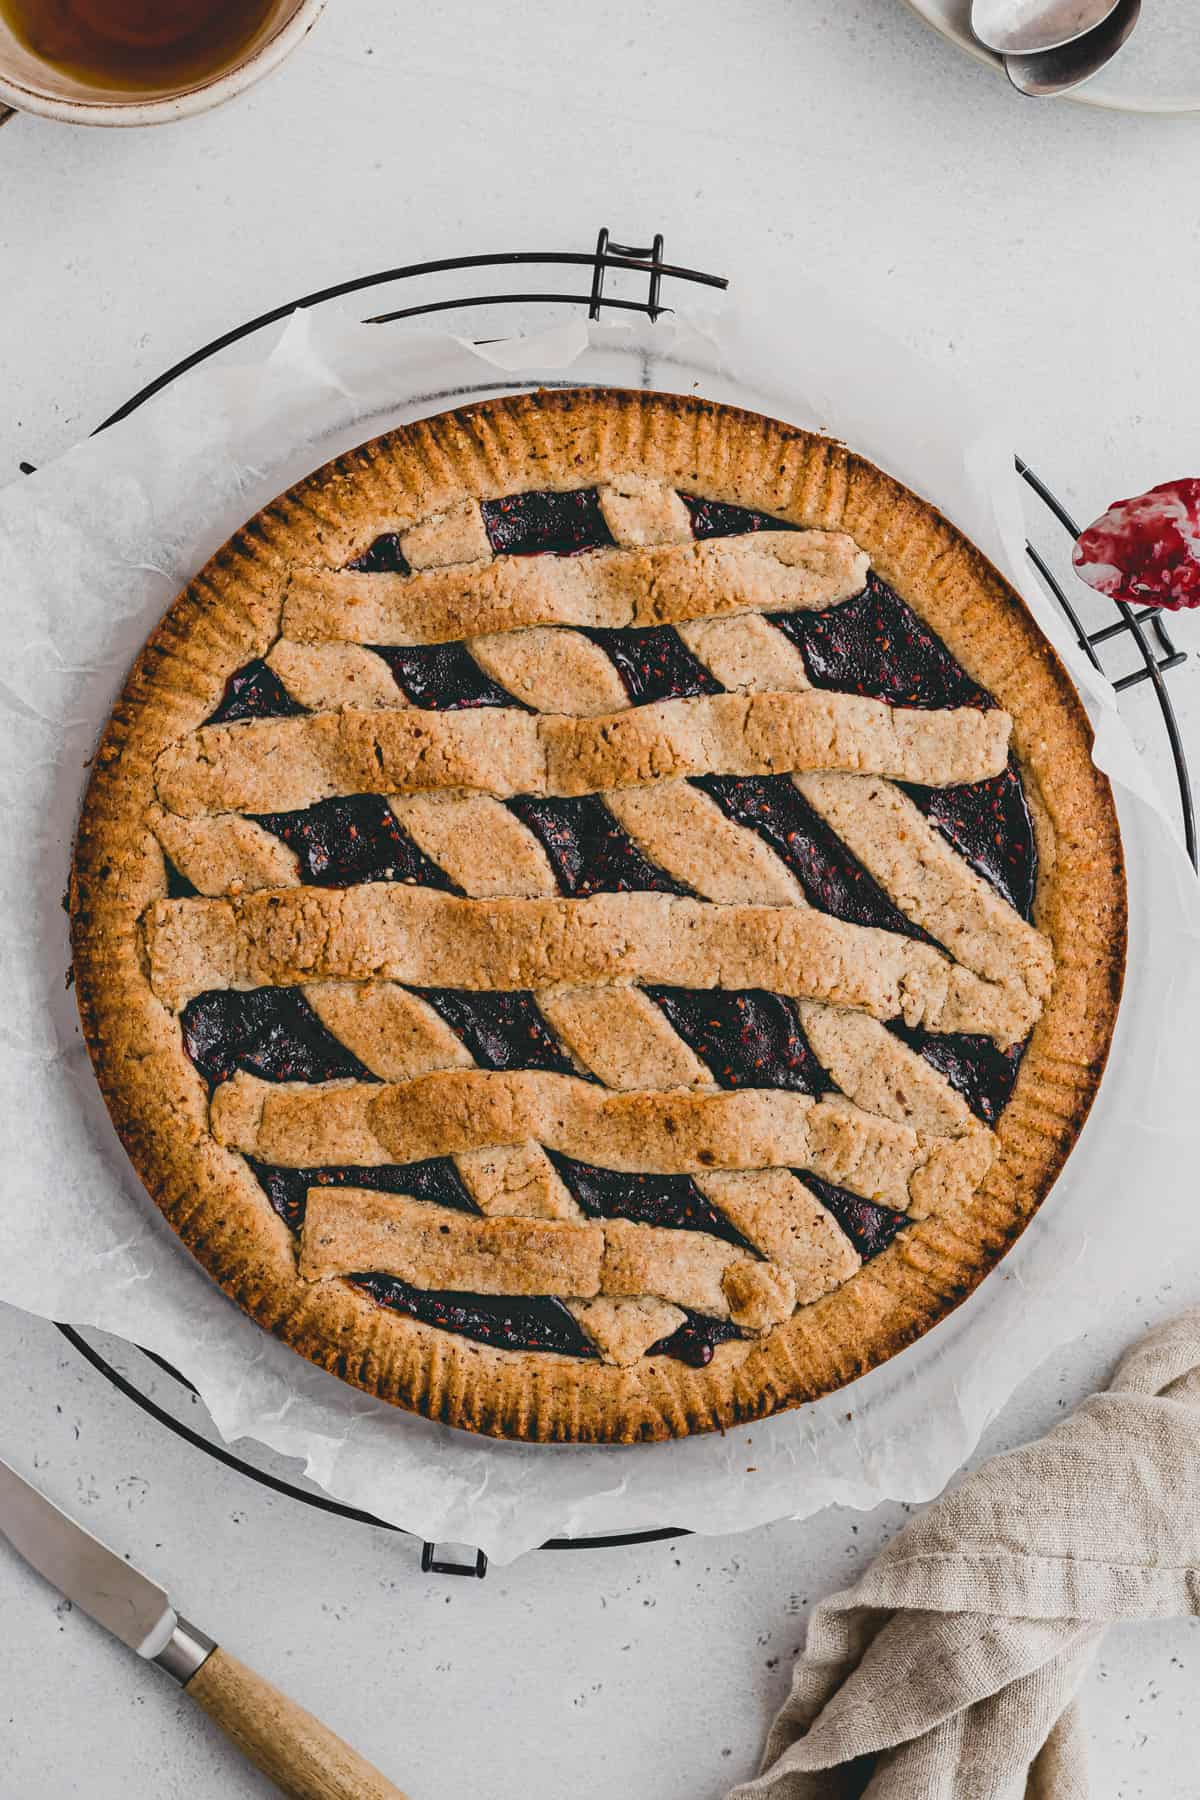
(230, 615)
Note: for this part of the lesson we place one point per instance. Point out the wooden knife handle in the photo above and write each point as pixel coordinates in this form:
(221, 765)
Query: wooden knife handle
(299, 1754)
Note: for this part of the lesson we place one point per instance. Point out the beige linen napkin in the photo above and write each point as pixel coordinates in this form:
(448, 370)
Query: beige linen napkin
(950, 1672)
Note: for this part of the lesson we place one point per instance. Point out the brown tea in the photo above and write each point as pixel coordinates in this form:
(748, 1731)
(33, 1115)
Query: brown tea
(138, 45)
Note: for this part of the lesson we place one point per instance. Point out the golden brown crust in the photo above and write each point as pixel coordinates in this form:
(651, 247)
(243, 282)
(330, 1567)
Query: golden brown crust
(232, 613)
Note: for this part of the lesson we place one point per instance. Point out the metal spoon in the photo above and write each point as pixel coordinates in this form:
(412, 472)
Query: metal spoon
(1058, 71)
(1027, 27)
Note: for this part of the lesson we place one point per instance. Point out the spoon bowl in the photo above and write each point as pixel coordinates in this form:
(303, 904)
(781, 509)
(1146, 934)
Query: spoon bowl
(1058, 71)
(1030, 27)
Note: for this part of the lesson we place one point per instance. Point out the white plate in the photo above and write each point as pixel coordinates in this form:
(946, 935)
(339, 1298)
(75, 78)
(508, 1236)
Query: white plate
(1158, 71)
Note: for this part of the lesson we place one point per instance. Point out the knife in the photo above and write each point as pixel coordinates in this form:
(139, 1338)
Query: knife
(299, 1754)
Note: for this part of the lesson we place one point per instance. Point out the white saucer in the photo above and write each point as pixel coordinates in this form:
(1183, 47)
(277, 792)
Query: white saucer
(1158, 71)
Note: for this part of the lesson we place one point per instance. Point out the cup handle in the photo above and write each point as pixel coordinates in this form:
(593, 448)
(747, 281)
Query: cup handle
(6, 113)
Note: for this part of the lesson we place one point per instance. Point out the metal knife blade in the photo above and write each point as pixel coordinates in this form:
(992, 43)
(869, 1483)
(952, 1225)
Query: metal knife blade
(92, 1576)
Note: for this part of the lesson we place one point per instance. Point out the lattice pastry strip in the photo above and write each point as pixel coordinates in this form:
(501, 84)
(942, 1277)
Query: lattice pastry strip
(226, 854)
(682, 1131)
(624, 1330)
(600, 590)
(280, 765)
(422, 938)
(326, 676)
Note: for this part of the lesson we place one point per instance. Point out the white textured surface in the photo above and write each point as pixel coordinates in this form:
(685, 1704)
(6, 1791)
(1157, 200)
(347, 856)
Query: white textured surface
(1052, 250)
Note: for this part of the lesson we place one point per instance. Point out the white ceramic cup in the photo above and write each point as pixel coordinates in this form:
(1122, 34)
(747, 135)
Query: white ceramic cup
(30, 85)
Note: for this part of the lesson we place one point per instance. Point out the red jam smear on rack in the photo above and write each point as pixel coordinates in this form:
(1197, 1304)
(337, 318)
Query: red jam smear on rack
(1146, 550)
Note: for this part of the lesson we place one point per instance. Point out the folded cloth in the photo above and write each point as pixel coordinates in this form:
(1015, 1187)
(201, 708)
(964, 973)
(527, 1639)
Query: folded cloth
(951, 1670)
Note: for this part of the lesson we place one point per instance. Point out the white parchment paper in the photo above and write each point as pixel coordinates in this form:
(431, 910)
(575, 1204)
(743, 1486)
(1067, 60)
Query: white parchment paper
(91, 551)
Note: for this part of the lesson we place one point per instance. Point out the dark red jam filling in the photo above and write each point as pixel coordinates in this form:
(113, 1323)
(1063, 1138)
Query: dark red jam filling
(502, 1030)
(748, 1039)
(988, 823)
(668, 1200)
(437, 1180)
(491, 1319)
(712, 518)
(546, 523)
(833, 880)
(975, 1067)
(383, 557)
(254, 692)
(588, 850)
(695, 1340)
(270, 1032)
(876, 645)
(869, 1227)
(343, 842)
(442, 677)
(655, 664)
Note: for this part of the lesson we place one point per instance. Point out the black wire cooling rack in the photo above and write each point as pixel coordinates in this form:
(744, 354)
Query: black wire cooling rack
(1140, 636)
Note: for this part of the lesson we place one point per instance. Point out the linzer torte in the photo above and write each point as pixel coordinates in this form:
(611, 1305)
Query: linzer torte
(595, 917)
